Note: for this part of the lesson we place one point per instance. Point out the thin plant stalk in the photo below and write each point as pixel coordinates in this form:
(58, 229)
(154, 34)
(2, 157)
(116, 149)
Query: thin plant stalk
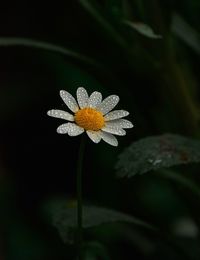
(79, 199)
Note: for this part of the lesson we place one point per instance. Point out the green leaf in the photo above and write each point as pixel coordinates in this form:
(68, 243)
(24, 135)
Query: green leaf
(143, 29)
(12, 41)
(186, 32)
(156, 152)
(64, 218)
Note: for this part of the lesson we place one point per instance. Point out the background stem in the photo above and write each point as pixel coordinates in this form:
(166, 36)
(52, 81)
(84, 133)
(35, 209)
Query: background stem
(176, 83)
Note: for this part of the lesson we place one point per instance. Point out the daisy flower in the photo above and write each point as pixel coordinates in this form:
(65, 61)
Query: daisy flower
(92, 115)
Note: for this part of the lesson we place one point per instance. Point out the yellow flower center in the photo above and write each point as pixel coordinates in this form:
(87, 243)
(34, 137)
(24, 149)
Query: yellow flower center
(89, 119)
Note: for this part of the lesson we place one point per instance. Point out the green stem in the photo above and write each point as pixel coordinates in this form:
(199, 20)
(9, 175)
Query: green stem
(79, 198)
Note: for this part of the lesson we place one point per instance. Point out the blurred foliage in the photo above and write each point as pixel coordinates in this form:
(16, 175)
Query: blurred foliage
(87, 43)
(64, 218)
(143, 29)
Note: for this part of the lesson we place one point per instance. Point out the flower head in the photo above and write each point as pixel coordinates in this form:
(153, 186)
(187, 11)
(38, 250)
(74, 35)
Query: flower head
(92, 115)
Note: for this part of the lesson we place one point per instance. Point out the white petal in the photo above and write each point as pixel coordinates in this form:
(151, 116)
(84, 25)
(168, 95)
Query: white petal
(109, 138)
(82, 97)
(119, 123)
(114, 130)
(108, 104)
(74, 130)
(95, 99)
(69, 100)
(70, 128)
(63, 129)
(94, 136)
(60, 114)
(116, 114)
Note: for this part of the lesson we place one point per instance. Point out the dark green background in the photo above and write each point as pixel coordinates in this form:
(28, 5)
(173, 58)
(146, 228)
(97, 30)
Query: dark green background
(158, 83)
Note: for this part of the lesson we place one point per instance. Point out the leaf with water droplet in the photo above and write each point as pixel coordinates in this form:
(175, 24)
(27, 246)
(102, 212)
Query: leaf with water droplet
(155, 152)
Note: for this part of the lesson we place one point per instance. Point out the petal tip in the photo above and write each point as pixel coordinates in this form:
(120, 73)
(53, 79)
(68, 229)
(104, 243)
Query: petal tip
(131, 125)
(123, 132)
(115, 144)
(81, 88)
(116, 97)
(58, 131)
(49, 112)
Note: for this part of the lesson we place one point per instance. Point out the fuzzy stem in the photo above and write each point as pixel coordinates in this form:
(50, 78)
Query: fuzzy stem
(79, 198)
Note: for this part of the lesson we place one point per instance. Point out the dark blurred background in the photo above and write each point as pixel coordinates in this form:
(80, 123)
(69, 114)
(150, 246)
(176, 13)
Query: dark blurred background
(157, 81)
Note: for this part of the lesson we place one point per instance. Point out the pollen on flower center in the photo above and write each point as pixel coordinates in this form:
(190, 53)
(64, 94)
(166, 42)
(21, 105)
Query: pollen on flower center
(89, 119)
